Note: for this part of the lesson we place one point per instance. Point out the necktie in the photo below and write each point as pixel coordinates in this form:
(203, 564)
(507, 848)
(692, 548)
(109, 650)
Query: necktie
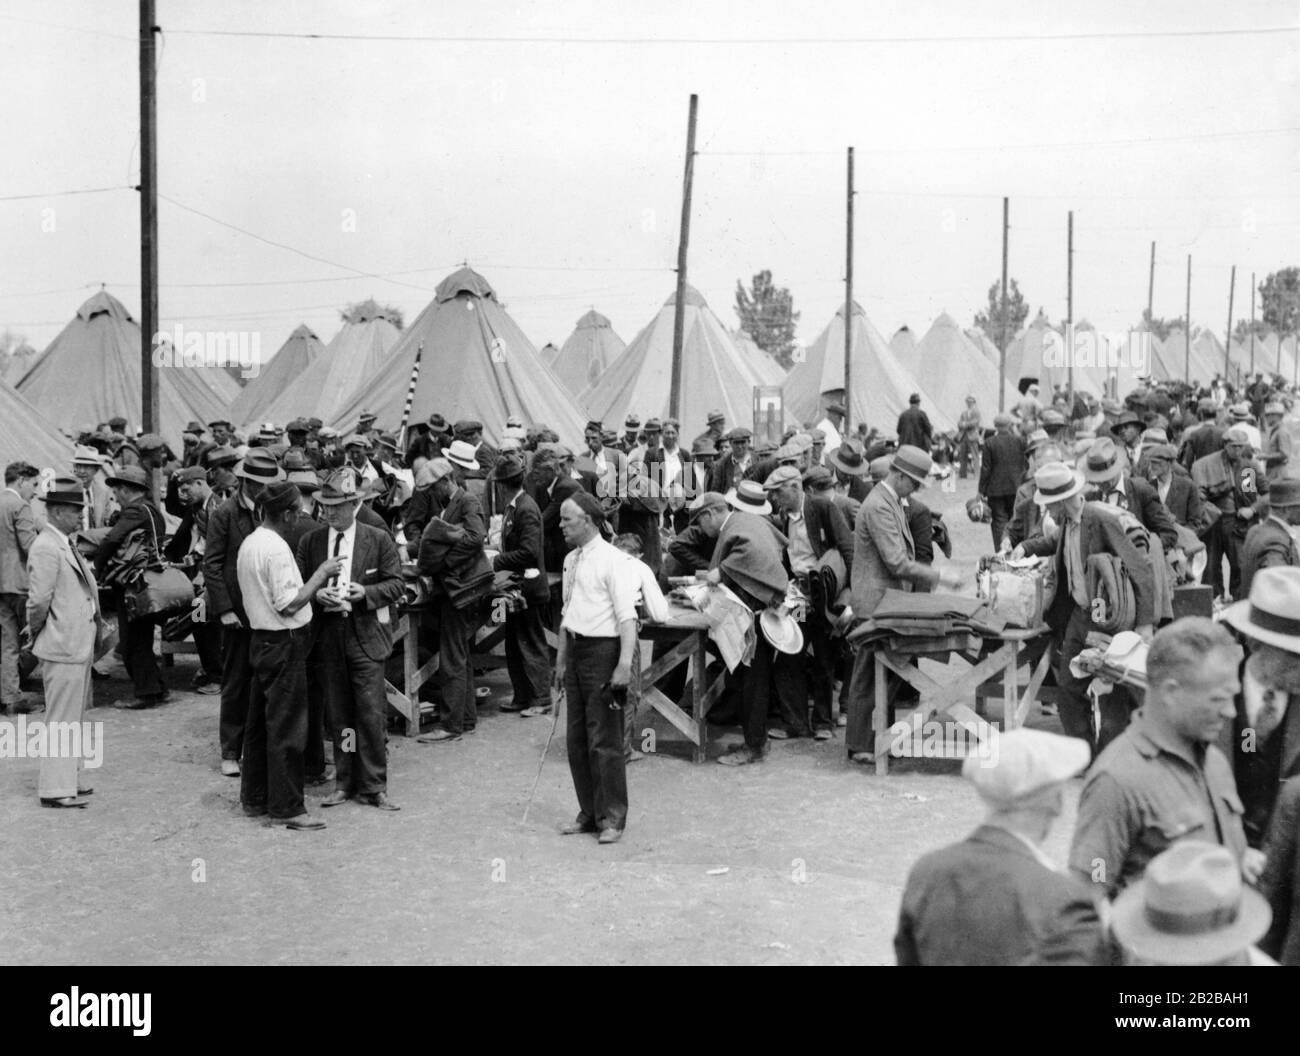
(338, 543)
(86, 509)
(1269, 716)
(571, 575)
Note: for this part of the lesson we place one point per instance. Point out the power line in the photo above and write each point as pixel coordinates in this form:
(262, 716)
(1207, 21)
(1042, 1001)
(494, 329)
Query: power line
(443, 38)
(65, 194)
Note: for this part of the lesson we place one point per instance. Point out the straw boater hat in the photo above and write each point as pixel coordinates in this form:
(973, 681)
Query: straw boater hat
(1056, 482)
(339, 487)
(1190, 907)
(1272, 612)
(749, 497)
(461, 453)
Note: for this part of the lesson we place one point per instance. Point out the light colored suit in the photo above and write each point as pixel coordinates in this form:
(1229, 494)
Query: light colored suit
(884, 554)
(63, 615)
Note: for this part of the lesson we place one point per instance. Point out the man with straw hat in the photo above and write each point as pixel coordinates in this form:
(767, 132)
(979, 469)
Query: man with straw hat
(352, 623)
(63, 627)
(995, 898)
(98, 505)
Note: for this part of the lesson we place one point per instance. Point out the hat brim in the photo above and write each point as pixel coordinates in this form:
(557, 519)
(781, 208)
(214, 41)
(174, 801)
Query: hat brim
(860, 470)
(59, 500)
(737, 503)
(782, 631)
(920, 481)
(259, 478)
(339, 500)
(1238, 615)
(471, 464)
(124, 482)
(1102, 476)
(1132, 929)
(1046, 500)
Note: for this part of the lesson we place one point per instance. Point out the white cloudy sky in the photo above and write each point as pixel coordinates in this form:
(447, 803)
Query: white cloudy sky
(552, 162)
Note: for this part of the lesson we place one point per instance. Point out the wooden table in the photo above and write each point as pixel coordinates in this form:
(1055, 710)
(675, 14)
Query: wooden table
(689, 630)
(995, 664)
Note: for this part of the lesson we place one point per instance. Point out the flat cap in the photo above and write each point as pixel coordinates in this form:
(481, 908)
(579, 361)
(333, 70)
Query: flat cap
(1025, 761)
(781, 476)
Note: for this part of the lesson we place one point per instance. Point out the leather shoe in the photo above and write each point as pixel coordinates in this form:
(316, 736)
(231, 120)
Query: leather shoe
(304, 823)
(512, 706)
(823, 735)
(85, 791)
(379, 800)
(254, 811)
(229, 767)
(437, 736)
(535, 710)
(316, 780)
(776, 733)
(609, 836)
(863, 758)
(740, 757)
(64, 801)
(335, 798)
(577, 827)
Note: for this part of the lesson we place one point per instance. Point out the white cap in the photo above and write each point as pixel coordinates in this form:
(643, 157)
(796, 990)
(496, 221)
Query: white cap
(1024, 762)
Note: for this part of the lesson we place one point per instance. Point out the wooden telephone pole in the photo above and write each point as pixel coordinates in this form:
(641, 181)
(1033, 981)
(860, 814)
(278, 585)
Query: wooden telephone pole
(679, 315)
(848, 309)
(1002, 345)
(148, 221)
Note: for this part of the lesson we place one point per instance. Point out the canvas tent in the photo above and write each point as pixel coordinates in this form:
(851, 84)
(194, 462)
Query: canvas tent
(91, 372)
(294, 358)
(903, 344)
(715, 375)
(477, 364)
(352, 358)
(591, 348)
(981, 340)
(765, 366)
(881, 384)
(28, 436)
(949, 368)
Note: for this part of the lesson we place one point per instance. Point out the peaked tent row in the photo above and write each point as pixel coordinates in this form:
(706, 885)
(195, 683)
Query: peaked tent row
(281, 374)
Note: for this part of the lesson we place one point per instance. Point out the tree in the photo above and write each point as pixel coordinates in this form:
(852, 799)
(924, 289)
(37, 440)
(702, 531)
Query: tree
(15, 354)
(1280, 301)
(1162, 328)
(767, 314)
(1241, 332)
(991, 322)
(364, 311)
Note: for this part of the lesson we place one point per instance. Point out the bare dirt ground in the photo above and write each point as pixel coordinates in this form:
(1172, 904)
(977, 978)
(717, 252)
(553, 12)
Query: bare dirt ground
(163, 868)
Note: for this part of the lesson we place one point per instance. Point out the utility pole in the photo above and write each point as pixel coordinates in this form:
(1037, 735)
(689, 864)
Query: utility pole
(1151, 283)
(1187, 326)
(1002, 349)
(1069, 307)
(148, 221)
(1252, 324)
(679, 315)
(848, 308)
(1227, 342)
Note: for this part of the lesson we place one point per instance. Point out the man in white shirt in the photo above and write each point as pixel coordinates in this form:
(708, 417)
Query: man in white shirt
(594, 665)
(275, 602)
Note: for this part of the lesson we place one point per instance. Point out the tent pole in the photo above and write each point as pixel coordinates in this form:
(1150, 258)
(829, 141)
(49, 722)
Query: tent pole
(1002, 345)
(848, 308)
(1252, 323)
(679, 314)
(1069, 307)
(1232, 290)
(1187, 327)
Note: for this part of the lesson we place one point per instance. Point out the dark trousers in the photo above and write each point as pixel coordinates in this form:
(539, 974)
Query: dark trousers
(1002, 507)
(313, 757)
(1074, 706)
(860, 704)
(136, 640)
(275, 732)
(595, 733)
(771, 670)
(356, 705)
(236, 680)
(820, 654)
(455, 636)
(527, 658)
(207, 640)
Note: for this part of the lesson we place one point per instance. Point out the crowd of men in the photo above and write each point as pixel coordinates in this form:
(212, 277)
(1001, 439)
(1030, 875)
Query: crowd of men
(302, 543)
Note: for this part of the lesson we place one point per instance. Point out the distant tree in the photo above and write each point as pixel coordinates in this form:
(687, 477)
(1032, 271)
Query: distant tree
(363, 311)
(13, 348)
(992, 322)
(1280, 301)
(1241, 332)
(1162, 328)
(767, 314)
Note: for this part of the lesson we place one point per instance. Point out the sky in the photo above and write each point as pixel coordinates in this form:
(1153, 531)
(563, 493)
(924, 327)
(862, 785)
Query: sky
(544, 145)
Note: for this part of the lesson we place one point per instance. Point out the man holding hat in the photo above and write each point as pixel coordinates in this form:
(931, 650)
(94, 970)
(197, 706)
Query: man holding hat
(914, 428)
(63, 627)
(1271, 542)
(277, 606)
(352, 626)
(1163, 779)
(1001, 472)
(228, 526)
(452, 546)
(995, 898)
(140, 518)
(1237, 485)
(884, 558)
(527, 657)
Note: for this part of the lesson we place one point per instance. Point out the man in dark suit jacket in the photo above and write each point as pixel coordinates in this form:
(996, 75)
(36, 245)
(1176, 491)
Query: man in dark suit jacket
(18, 530)
(914, 426)
(452, 545)
(1105, 470)
(1181, 497)
(1270, 542)
(527, 658)
(994, 898)
(1204, 438)
(353, 621)
(228, 526)
(1001, 472)
(731, 468)
(549, 490)
(1085, 529)
(1280, 882)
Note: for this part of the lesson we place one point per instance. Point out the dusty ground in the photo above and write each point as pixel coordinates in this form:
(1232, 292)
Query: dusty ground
(164, 868)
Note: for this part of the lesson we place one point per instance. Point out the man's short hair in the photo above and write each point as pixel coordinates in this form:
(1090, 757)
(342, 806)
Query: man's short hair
(629, 543)
(20, 471)
(1183, 646)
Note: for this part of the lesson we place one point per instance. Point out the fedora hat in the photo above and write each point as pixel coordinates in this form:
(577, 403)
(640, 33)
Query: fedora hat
(65, 491)
(437, 423)
(1103, 462)
(848, 459)
(1055, 482)
(339, 487)
(461, 453)
(1035, 440)
(260, 465)
(305, 480)
(1240, 412)
(1272, 612)
(507, 469)
(912, 462)
(85, 455)
(1274, 408)
(781, 630)
(1127, 418)
(131, 477)
(1284, 492)
(279, 496)
(1190, 907)
(749, 497)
